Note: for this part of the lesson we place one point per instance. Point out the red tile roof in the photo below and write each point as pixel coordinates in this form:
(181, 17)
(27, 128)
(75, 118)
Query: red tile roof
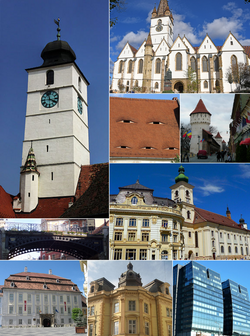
(218, 135)
(200, 108)
(247, 50)
(202, 215)
(207, 132)
(133, 49)
(6, 209)
(37, 281)
(99, 229)
(141, 132)
(55, 207)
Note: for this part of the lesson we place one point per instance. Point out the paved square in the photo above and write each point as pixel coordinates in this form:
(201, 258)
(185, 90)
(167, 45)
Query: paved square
(67, 331)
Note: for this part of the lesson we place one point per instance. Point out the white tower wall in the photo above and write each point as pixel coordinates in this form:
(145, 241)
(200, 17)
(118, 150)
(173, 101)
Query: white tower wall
(198, 121)
(29, 191)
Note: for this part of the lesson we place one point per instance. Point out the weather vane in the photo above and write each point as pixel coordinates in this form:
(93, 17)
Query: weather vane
(58, 29)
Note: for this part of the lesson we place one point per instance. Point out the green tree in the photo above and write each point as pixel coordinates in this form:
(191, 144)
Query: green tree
(115, 5)
(76, 312)
(192, 81)
(240, 74)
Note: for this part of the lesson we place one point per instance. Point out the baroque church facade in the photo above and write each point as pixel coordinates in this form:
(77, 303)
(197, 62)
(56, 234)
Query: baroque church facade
(145, 69)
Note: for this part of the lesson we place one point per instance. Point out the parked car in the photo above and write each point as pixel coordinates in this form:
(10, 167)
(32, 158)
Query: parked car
(202, 154)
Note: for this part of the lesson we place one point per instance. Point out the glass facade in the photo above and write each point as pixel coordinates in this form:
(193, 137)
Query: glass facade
(236, 309)
(197, 300)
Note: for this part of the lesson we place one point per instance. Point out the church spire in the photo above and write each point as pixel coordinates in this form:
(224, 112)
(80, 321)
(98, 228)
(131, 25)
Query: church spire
(30, 164)
(149, 41)
(162, 8)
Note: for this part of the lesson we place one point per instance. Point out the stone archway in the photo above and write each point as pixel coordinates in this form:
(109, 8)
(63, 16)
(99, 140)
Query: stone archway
(47, 322)
(179, 87)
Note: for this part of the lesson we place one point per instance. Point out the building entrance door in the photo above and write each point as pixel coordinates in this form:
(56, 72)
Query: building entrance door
(46, 322)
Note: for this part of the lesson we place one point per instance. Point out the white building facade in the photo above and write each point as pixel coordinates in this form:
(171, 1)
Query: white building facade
(38, 300)
(144, 69)
(56, 128)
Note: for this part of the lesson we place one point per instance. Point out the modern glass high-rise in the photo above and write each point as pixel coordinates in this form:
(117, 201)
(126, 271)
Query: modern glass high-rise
(236, 309)
(197, 300)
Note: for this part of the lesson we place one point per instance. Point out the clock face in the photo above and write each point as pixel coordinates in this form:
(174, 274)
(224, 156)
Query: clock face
(49, 99)
(159, 28)
(79, 105)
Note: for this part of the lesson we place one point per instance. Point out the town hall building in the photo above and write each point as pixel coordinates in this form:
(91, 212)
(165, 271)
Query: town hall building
(147, 68)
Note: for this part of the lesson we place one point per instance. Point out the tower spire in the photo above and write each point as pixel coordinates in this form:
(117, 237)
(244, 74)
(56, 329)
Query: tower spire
(58, 29)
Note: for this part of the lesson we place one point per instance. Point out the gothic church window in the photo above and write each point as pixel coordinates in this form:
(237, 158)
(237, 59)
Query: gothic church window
(50, 77)
(120, 67)
(158, 66)
(140, 66)
(205, 84)
(234, 66)
(204, 64)
(130, 67)
(178, 61)
(156, 85)
(193, 64)
(216, 63)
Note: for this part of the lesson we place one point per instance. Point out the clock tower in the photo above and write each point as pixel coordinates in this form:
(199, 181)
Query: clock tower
(56, 124)
(162, 23)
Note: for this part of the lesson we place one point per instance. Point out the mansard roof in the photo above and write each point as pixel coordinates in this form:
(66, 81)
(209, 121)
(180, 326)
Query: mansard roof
(136, 186)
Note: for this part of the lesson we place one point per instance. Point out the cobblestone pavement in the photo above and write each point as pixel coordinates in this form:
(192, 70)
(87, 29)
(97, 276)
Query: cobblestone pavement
(67, 331)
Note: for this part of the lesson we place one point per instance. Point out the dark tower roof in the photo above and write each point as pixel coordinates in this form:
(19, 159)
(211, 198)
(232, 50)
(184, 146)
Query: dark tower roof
(30, 164)
(136, 186)
(57, 52)
(200, 108)
(163, 6)
(129, 278)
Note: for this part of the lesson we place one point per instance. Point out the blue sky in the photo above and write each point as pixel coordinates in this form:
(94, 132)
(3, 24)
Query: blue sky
(219, 105)
(66, 269)
(25, 28)
(216, 186)
(112, 270)
(238, 271)
(193, 18)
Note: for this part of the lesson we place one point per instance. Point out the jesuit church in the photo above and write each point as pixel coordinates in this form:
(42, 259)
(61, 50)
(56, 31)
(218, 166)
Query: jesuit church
(144, 69)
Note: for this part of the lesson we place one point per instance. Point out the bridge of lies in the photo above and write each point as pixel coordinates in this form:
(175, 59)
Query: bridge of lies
(17, 239)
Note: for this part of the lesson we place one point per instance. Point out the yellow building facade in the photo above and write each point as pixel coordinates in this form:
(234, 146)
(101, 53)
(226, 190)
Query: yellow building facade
(131, 308)
(144, 227)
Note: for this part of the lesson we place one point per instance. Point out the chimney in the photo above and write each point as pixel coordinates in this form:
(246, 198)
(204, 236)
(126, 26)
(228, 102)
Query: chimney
(50, 271)
(25, 269)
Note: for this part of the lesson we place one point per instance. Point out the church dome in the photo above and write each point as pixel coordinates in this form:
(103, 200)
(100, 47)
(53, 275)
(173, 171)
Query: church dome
(130, 277)
(181, 176)
(57, 52)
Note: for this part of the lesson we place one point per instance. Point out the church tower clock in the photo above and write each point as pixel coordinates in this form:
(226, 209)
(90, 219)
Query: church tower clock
(162, 24)
(56, 123)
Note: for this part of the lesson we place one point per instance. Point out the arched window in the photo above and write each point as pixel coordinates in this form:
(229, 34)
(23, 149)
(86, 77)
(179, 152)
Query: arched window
(134, 200)
(158, 66)
(205, 84)
(156, 85)
(136, 83)
(178, 61)
(196, 239)
(50, 77)
(193, 63)
(176, 193)
(204, 64)
(229, 249)
(216, 63)
(120, 67)
(188, 214)
(187, 193)
(79, 84)
(236, 249)
(242, 252)
(246, 250)
(140, 66)
(222, 249)
(130, 67)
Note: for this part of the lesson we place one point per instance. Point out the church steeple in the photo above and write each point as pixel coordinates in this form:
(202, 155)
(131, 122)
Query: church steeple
(162, 8)
(30, 164)
(181, 176)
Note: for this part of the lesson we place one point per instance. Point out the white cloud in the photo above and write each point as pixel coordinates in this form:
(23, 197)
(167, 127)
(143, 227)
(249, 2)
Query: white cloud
(134, 39)
(220, 28)
(245, 42)
(182, 28)
(209, 189)
(114, 38)
(245, 171)
(148, 20)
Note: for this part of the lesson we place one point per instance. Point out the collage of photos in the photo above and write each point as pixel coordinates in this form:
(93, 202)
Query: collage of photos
(125, 175)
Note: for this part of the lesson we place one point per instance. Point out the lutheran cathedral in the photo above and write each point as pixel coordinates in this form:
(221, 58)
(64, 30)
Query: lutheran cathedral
(144, 69)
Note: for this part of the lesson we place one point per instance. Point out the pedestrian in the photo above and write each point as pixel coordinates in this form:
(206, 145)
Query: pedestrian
(218, 156)
(222, 155)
